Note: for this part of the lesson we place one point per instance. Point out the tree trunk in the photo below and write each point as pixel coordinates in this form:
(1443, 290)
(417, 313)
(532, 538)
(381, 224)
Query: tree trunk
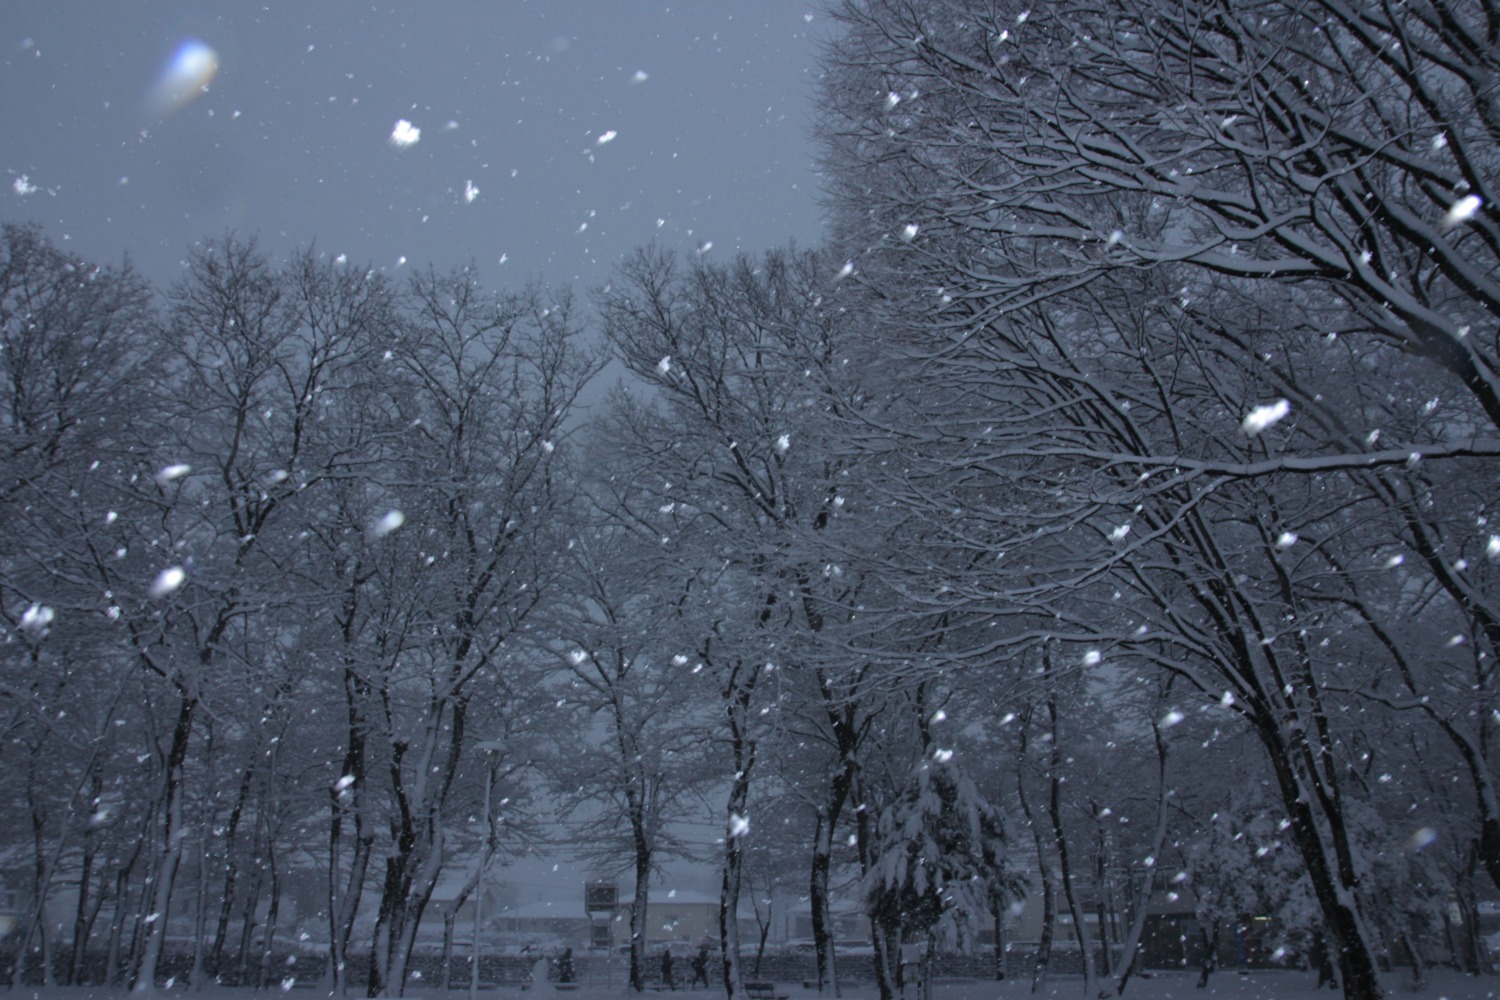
(729, 885)
(1210, 953)
(737, 694)
(997, 914)
(450, 916)
(348, 801)
(638, 907)
(1333, 880)
(231, 872)
(248, 910)
(82, 919)
(200, 909)
(273, 913)
(1125, 964)
(86, 932)
(1060, 843)
(1043, 957)
(818, 901)
(155, 927)
(887, 960)
(113, 967)
(841, 720)
(34, 924)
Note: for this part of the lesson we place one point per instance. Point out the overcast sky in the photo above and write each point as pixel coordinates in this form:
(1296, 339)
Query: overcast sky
(555, 135)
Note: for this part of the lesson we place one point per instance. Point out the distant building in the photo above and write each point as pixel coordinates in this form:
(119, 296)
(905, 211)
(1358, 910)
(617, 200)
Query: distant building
(680, 918)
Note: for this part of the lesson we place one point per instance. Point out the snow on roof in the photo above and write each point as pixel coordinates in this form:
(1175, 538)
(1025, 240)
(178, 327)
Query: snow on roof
(682, 896)
(555, 908)
(574, 907)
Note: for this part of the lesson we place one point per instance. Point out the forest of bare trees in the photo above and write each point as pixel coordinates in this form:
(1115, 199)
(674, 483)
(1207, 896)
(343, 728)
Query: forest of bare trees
(1101, 518)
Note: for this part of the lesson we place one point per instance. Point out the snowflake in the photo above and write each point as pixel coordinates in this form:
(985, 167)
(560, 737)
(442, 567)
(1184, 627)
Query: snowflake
(388, 523)
(167, 581)
(1462, 211)
(404, 134)
(1262, 417)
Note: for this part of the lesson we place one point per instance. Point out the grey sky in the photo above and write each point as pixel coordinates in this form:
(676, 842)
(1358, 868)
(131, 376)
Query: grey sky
(291, 139)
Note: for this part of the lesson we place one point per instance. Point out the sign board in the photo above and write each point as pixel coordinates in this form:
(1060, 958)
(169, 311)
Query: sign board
(601, 897)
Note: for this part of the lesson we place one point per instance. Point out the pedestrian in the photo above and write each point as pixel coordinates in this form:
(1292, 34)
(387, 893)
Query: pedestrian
(700, 966)
(565, 966)
(667, 982)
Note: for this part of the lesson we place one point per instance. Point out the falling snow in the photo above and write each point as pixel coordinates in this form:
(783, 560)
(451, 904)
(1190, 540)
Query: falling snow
(1265, 416)
(404, 134)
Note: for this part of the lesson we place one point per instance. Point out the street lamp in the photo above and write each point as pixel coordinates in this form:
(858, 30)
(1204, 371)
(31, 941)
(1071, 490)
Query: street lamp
(486, 747)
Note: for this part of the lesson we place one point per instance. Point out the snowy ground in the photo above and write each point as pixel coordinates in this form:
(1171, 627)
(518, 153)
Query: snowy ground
(1162, 986)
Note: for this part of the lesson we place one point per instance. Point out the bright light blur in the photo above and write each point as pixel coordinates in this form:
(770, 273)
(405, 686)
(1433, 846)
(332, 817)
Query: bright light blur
(184, 78)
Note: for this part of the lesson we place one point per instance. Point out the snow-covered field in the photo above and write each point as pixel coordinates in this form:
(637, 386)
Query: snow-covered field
(1168, 986)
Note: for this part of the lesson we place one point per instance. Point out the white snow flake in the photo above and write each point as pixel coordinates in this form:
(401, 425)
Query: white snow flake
(1462, 211)
(37, 619)
(22, 186)
(607, 136)
(167, 581)
(168, 473)
(1262, 417)
(470, 192)
(388, 523)
(404, 134)
(738, 825)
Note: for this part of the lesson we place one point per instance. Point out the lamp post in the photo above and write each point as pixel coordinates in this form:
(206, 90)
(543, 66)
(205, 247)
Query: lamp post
(487, 747)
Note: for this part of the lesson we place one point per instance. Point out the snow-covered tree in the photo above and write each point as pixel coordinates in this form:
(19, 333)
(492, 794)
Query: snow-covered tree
(1109, 309)
(743, 360)
(939, 858)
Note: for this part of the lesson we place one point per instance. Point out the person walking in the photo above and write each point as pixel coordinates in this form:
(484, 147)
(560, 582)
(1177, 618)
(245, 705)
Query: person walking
(667, 982)
(700, 967)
